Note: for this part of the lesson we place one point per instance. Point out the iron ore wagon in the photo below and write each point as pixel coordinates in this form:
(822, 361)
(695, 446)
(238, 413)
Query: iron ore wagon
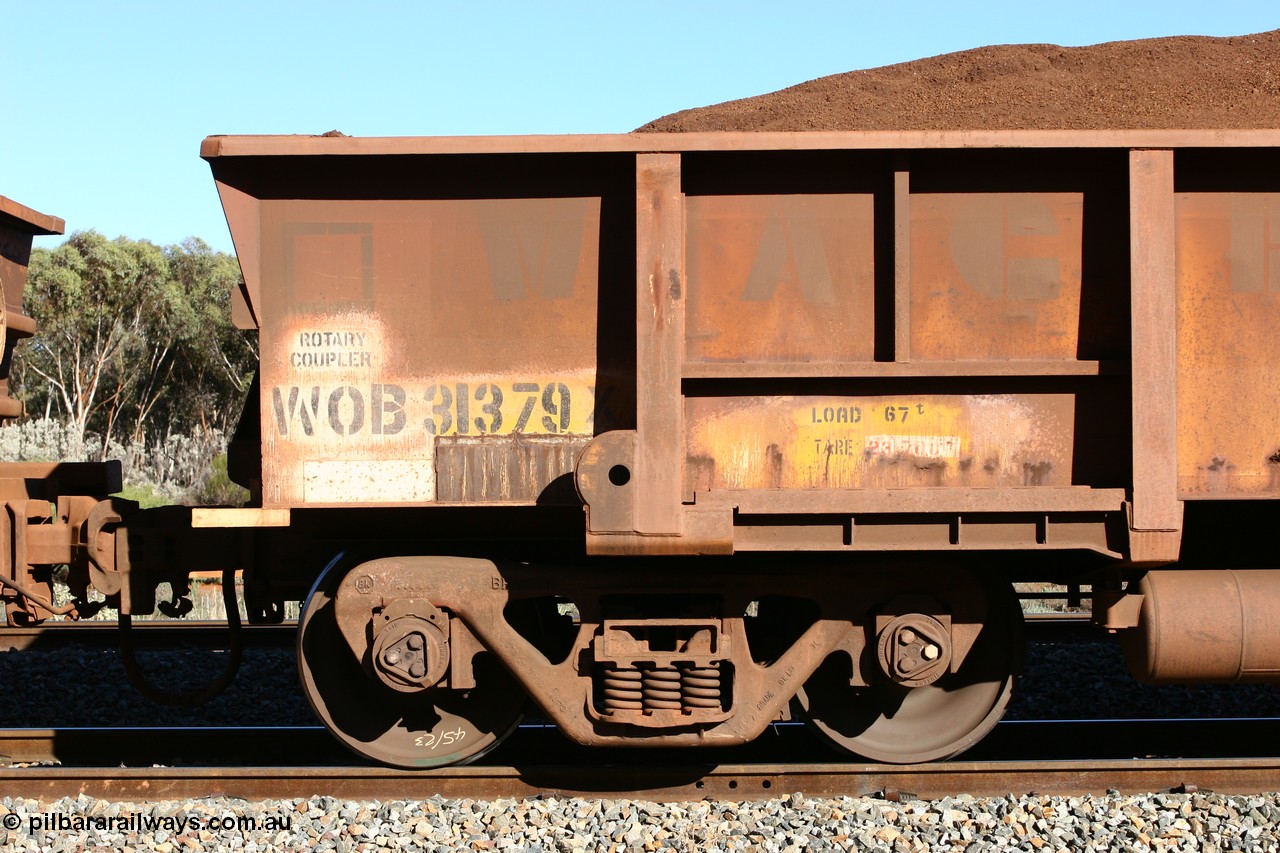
(781, 416)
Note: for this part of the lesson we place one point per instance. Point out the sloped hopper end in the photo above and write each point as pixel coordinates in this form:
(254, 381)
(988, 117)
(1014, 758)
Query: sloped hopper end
(1206, 626)
(18, 224)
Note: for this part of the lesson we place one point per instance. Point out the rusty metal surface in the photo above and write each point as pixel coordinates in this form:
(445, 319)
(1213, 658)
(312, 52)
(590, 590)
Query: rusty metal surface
(1228, 279)
(378, 298)
(476, 593)
(1070, 757)
(1043, 273)
(413, 725)
(901, 259)
(241, 208)
(960, 680)
(686, 783)
(47, 480)
(215, 147)
(661, 293)
(473, 469)
(1206, 626)
(1156, 511)
(1070, 501)
(879, 442)
(923, 519)
(18, 224)
(894, 369)
(15, 215)
(995, 275)
(46, 522)
(620, 658)
(393, 325)
(780, 278)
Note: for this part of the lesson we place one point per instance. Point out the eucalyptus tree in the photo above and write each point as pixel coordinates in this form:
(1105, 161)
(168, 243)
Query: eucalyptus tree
(134, 339)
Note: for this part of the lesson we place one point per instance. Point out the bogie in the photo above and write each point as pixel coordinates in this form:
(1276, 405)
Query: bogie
(656, 659)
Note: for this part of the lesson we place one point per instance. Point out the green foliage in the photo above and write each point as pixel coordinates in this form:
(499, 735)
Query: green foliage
(147, 496)
(135, 341)
(217, 489)
(214, 361)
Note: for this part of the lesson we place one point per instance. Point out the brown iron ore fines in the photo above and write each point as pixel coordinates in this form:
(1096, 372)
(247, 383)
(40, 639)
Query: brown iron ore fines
(1178, 82)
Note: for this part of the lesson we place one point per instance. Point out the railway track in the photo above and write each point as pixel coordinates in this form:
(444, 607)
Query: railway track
(667, 784)
(147, 634)
(266, 763)
(262, 762)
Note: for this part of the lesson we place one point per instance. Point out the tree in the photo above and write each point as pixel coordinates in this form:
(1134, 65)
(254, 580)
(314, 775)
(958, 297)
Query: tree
(133, 339)
(91, 299)
(216, 360)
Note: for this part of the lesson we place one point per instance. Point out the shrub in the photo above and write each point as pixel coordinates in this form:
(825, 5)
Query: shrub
(177, 469)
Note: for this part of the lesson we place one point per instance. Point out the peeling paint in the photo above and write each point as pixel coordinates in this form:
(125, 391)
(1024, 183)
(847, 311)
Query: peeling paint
(388, 324)
(879, 442)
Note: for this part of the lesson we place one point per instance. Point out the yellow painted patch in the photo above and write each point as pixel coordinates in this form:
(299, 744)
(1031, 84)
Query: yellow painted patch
(840, 438)
(878, 442)
(539, 405)
(345, 415)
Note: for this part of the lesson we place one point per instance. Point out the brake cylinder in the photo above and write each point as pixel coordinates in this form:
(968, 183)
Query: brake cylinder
(1206, 626)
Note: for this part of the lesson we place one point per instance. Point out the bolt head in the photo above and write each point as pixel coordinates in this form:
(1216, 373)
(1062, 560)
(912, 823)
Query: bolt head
(906, 637)
(931, 652)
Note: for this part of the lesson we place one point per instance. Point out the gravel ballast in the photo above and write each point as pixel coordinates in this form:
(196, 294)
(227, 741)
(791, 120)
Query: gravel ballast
(1063, 680)
(1201, 822)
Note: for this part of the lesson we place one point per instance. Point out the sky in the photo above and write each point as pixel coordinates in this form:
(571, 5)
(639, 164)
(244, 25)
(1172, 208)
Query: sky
(105, 102)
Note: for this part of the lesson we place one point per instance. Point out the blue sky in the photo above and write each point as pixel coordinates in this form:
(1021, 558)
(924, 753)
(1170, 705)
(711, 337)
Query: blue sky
(105, 103)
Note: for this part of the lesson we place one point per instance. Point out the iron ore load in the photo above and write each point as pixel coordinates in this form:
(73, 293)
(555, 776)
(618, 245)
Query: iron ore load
(669, 436)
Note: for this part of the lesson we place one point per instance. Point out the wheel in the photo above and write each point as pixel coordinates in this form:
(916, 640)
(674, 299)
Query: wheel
(434, 727)
(907, 723)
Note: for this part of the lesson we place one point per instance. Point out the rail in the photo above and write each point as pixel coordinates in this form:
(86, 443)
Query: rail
(258, 763)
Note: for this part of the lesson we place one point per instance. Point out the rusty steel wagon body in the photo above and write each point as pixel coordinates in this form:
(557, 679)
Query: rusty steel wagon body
(18, 225)
(781, 416)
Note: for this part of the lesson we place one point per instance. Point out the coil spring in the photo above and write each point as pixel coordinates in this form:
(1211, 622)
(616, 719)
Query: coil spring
(700, 687)
(660, 689)
(622, 690)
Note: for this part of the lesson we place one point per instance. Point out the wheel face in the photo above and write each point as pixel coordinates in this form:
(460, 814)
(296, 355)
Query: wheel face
(431, 728)
(897, 724)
